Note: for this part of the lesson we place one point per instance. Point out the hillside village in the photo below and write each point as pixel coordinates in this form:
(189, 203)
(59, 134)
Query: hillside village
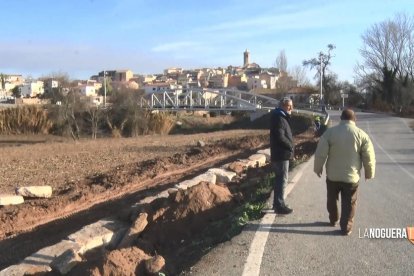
(249, 77)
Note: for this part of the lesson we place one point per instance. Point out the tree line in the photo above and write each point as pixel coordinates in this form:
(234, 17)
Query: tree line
(384, 79)
(76, 118)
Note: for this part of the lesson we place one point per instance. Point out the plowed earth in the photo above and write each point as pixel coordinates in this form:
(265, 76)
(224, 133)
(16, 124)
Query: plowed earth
(96, 179)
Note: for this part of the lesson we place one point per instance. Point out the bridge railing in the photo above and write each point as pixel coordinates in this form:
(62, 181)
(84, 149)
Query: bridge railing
(198, 98)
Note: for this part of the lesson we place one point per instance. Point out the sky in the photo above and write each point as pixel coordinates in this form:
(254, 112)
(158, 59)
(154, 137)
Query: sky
(80, 38)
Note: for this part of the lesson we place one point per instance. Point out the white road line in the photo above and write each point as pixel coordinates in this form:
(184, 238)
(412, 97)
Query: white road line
(254, 260)
(406, 124)
(389, 156)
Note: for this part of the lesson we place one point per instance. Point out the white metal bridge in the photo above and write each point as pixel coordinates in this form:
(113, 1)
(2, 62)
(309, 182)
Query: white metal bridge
(207, 99)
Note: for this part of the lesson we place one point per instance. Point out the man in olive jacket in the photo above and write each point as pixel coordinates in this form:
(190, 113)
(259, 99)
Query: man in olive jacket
(345, 148)
(281, 151)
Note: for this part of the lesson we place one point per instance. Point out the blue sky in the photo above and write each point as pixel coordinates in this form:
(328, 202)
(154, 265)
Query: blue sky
(81, 38)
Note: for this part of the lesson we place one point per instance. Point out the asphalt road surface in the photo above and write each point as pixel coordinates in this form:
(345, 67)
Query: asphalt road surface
(304, 244)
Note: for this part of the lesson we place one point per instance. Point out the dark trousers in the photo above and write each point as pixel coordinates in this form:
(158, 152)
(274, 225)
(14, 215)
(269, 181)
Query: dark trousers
(349, 193)
(281, 170)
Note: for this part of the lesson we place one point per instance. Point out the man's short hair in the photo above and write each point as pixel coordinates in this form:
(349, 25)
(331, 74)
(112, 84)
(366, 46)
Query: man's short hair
(285, 101)
(348, 114)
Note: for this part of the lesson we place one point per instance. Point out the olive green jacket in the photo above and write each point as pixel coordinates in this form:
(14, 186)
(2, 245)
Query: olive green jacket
(345, 148)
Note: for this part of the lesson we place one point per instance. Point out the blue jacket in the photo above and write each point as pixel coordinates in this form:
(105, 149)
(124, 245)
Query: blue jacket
(281, 138)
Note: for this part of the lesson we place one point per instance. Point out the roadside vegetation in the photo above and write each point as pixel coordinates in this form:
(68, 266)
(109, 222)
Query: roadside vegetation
(123, 117)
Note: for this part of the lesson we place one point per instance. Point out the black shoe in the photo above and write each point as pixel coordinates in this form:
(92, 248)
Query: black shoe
(333, 223)
(346, 232)
(284, 210)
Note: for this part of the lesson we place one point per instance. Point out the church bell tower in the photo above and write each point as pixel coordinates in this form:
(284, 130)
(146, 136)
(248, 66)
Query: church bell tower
(246, 58)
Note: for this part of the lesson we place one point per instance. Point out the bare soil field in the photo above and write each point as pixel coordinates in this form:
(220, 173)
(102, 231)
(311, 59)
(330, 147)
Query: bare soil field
(85, 171)
(92, 179)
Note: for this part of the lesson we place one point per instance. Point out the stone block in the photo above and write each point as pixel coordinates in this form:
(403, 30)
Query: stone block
(35, 191)
(184, 185)
(25, 269)
(101, 233)
(137, 227)
(222, 175)
(66, 261)
(248, 163)
(201, 143)
(11, 200)
(206, 177)
(237, 167)
(147, 200)
(163, 194)
(259, 159)
(172, 190)
(39, 262)
(266, 152)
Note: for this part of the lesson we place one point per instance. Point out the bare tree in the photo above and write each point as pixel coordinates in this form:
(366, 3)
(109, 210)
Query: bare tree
(388, 58)
(125, 117)
(321, 64)
(61, 77)
(94, 115)
(67, 115)
(298, 73)
(71, 106)
(281, 61)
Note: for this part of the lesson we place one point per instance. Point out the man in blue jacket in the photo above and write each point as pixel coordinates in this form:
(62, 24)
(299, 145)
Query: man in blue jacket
(281, 151)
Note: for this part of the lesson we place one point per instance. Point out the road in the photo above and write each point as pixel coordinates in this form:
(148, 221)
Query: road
(304, 244)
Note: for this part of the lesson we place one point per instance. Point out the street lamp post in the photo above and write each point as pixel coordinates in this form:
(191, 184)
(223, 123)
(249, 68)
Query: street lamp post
(320, 56)
(343, 96)
(104, 88)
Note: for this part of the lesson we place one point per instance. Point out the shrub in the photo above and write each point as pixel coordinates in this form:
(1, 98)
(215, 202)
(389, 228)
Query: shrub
(24, 120)
(161, 123)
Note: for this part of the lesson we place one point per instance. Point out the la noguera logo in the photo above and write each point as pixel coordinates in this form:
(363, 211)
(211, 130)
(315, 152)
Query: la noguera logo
(410, 234)
(388, 233)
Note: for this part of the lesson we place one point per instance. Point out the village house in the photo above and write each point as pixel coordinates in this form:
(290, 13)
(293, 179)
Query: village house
(118, 85)
(254, 82)
(86, 89)
(162, 87)
(8, 83)
(144, 79)
(269, 78)
(237, 81)
(218, 81)
(32, 88)
(188, 78)
(301, 95)
(123, 75)
(50, 84)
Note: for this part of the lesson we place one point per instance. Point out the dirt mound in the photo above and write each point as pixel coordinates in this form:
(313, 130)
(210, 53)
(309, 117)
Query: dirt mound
(202, 197)
(171, 221)
(126, 261)
(185, 213)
